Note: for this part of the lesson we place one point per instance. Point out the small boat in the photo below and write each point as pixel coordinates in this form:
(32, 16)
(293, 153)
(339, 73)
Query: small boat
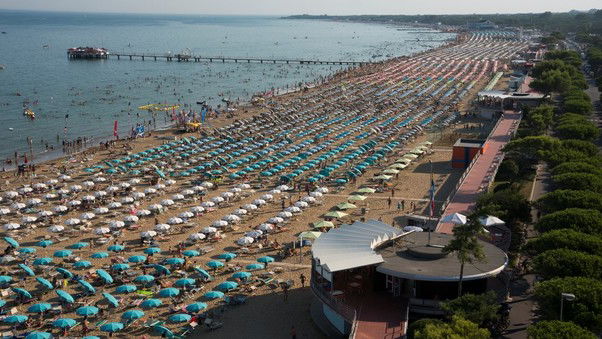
(29, 113)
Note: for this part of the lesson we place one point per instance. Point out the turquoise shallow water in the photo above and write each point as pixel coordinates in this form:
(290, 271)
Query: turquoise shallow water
(95, 93)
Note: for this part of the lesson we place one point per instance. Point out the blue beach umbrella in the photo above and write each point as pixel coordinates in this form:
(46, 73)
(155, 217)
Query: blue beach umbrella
(169, 292)
(174, 261)
(22, 292)
(227, 286)
(99, 255)
(39, 335)
(126, 289)
(105, 276)
(203, 273)
(27, 270)
(213, 295)
(11, 241)
(265, 259)
(44, 243)
(180, 318)
(65, 296)
(191, 253)
(152, 250)
(162, 269)
(144, 279)
(151, 303)
(79, 245)
(5, 279)
(110, 299)
(91, 337)
(26, 250)
(196, 307)
(164, 331)
(215, 264)
(82, 264)
(66, 274)
(120, 267)
(241, 275)
(184, 282)
(16, 319)
(39, 308)
(64, 323)
(112, 327)
(44, 283)
(2, 303)
(62, 253)
(87, 311)
(253, 267)
(227, 256)
(86, 285)
(137, 258)
(116, 248)
(132, 315)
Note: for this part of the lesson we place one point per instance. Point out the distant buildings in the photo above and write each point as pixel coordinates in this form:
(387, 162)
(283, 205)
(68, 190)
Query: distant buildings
(482, 25)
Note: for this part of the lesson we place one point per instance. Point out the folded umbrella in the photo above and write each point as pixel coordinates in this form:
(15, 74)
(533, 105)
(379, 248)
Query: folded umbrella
(45, 283)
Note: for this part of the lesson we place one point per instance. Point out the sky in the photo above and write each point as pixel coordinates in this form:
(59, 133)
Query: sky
(285, 7)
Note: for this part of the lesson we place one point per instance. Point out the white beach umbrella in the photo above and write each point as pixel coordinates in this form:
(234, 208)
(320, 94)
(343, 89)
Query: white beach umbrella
(177, 197)
(187, 192)
(88, 184)
(28, 219)
(275, 220)
(249, 207)
(134, 181)
(207, 184)
(292, 209)
(217, 200)
(39, 186)
(148, 234)
(34, 201)
(64, 177)
(101, 210)
(127, 200)
(162, 227)
(275, 191)
(267, 197)
(56, 228)
(159, 186)
(11, 194)
(150, 190)
(99, 179)
(170, 182)
(11, 226)
(209, 230)
(207, 204)
(231, 218)
(244, 186)
(72, 221)
(316, 194)
(88, 198)
(4, 211)
(18, 206)
(167, 202)
(116, 224)
(44, 214)
(227, 195)
(25, 190)
(102, 230)
(322, 190)
(244, 241)
(114, 205)
(235, 190)
(100, 194)
(301, 204)
(265, 227)
(138, 195)
(130, 219)
(50, 196)
(240, 211)
(174, 221)
(197, 209)
(219, 223)
(124, 185)
(254, 234)
(52, 182)
(155, 207)
(63, 191)
(199, 189)
(259, 202)
(283, 188)
(196, 236)
(143, 213)
(75, 188)
(7, 259)
(284, 214)
(60, 209)
(310, 200)
(186, 214)
(112, 189)
(74, 203)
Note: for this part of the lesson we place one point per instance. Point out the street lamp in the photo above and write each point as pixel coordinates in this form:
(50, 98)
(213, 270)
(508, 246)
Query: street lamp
(563, 297)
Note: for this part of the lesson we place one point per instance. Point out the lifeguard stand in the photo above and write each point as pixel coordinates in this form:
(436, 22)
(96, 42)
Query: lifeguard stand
(465, 150)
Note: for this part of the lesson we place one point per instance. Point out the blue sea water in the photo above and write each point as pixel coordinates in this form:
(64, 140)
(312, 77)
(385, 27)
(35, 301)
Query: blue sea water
(94, 93)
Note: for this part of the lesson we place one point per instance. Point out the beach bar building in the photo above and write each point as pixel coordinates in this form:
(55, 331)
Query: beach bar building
(369, 277)
(465, 150)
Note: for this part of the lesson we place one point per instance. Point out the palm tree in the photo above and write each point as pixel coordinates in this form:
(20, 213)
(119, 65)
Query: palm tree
(466, 245)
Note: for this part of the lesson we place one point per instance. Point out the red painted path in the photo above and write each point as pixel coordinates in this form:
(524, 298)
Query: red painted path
(482, 171)
(381, 317)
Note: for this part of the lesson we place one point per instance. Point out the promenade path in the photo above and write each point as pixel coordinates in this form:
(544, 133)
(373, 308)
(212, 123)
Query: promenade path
(482, 171)
(382, 320)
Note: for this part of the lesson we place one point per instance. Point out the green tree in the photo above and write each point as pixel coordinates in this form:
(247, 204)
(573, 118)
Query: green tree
(466, 246)
(562, 262)
(481, 309)
(582, 131)
(458, 329)
(581, 220)
(576, 167)
(509, 205)
(565, 238)
(555, 329)
(578, 181)
(585, 310)
(582, 146)
(529, 150)
(552, 81)
(420, 324)
(563, 199)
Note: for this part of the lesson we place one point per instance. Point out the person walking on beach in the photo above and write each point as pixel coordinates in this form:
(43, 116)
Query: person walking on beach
(302, 278)
(399, 205)
(285, 292)
(389, 202)
(403, 205)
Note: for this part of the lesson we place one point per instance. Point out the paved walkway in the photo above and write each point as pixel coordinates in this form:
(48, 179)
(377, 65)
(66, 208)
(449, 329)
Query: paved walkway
(482, 171)
(382, 318)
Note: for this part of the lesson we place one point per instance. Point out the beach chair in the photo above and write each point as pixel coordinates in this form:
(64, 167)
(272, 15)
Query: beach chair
(152, 323)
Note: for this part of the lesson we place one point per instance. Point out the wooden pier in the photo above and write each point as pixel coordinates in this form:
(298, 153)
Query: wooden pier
(224, 59)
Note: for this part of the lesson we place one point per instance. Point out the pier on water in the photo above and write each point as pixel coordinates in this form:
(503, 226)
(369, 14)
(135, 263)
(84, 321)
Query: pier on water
(223, 59)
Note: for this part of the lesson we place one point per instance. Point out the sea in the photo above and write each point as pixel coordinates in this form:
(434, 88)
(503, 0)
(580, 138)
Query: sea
(83, 98)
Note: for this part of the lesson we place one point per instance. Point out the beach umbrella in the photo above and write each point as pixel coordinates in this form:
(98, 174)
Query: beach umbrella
(215, 264)
(114, 205)
(137, 258)
(167, 202)
(184, 282)
(5, 279)
(127, 200)
(82, 264)
(39, 308)
(456, 218)
(491, 221)
(151, 303)
(323, 224)
(101, 210)
(196, 307)
(174, 261)
(227, 286)
(169, 292)
(87, 286)
(180, 318)
(120, 267)
(87, 216)
(79, 245)
(144, 279)
(227, 256)
(74, 203)
(87, 311)
(130, 219)
(162, 269)
(110, 299)
(285, 214)
(265, 259)
(241, 275)
(27, 270)
(4, 211)
(244, 241)
(42, 261)
(240, 211)
(62, 253)
(253, 267)
(26, 250)
(16, 319)
(65, 273)
(346, 206)
(152, 250)
(148, 234)
(202, 273)
(301, 204)
(64, 323)
(44, 243)
(232, 218)
(116, 248)
(209, 230)
(132, 315)
(213, 295)
(254, 234)
(45, 283)
(105, 276)
(312, 235)
(336, 214)
(28, 219)
(56, 228)
(11, 226)
(259, 202)
(174, 221)
(366, 190)
(197, 209)
(163, 331)
(66, 297)
(191, 253)
(43, 214)
(72, 221)
(162, 227)
(356, 197)
(207, 204)
(275, 220)
(220, 223)
(99, 255)
(112, 327)
(412, 229)
(249, 206)
(39, 335)
(265, 227)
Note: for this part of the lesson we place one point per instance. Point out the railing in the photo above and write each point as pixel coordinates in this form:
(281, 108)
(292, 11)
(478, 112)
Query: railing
(346, 311)
(353, 326)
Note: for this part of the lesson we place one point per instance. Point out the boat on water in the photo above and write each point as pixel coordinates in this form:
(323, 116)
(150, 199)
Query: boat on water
(29, 113)
(87, 53)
